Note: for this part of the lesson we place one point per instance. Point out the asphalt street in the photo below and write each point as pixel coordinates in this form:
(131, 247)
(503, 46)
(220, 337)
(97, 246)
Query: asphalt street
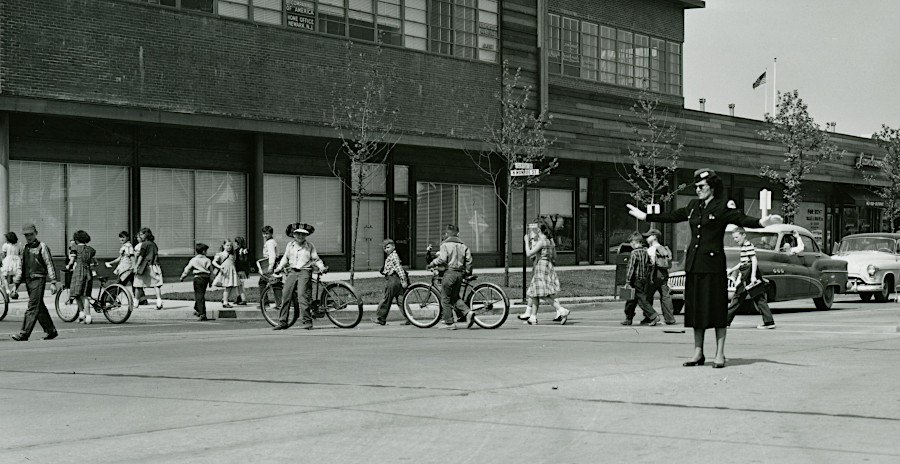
(819, 388)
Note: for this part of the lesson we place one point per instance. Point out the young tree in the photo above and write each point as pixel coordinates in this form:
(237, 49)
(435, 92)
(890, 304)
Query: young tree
(653, 154)
(515, 134)
(889, 166)
(805, 144)
(363, 114)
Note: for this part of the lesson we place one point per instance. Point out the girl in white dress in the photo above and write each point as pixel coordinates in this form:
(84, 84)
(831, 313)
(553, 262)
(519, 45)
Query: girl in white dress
(12, 259)
(228, 277)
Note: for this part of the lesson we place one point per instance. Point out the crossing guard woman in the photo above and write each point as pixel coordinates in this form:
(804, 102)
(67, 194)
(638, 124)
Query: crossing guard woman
(706, 285)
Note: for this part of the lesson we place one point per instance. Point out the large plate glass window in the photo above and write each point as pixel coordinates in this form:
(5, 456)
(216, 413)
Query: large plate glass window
(590, 48)
(571, 51)
(37, 195)
(314, 200)
(473, 208)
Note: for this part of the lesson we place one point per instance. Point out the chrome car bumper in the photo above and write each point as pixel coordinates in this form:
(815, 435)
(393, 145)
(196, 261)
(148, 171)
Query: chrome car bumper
(857, 285)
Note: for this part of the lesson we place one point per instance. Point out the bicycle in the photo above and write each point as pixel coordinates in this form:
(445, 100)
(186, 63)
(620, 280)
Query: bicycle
(422, 303)
(113, 300)
(5, 308)
(335, 300)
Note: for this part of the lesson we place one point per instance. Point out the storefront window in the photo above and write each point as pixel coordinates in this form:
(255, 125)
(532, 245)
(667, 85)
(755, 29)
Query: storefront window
(314, 200)
(183, 207)
(62, 198)
(555, 207)
(473, 208)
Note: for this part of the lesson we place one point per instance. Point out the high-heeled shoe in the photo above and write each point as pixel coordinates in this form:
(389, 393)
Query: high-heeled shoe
(698, 362)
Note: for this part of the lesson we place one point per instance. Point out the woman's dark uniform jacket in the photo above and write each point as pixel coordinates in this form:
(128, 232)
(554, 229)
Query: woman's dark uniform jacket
(706, 286)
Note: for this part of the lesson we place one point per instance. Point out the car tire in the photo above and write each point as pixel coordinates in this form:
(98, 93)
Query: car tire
(677, 306)
(885, 294)
(826, 300)
(866, 296)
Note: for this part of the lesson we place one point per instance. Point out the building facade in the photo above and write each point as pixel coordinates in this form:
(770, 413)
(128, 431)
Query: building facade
(205, 120)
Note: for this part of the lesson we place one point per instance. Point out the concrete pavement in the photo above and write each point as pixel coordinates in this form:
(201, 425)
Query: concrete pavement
(820, 388)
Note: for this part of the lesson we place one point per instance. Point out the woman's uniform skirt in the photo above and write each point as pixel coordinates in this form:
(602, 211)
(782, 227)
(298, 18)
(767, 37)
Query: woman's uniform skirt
(706, 300)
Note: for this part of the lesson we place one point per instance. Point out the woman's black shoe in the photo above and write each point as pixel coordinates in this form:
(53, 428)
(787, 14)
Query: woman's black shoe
(698, 362)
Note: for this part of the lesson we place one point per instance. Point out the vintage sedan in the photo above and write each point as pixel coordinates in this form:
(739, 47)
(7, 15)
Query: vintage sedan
(873, 264)
(808, 274)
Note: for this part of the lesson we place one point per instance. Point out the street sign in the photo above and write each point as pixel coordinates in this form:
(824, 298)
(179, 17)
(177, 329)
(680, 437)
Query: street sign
(523, 166)
(524, 172)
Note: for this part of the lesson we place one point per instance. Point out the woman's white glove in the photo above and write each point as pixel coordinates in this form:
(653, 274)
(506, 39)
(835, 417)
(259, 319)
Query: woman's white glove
(636, 212)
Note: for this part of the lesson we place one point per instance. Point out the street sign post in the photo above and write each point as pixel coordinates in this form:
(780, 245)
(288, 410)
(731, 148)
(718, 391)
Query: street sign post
(765, 201)
(524, 170)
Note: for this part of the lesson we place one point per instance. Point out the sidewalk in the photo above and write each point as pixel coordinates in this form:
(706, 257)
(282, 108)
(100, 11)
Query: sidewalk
(183, 309)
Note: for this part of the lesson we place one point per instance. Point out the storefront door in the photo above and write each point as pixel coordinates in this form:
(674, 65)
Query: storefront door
(598, 235)
(369, 254)
(402, 229)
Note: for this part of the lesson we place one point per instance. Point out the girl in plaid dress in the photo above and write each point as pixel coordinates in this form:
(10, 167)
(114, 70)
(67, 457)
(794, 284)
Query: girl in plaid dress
(80, 259)
(544, 282)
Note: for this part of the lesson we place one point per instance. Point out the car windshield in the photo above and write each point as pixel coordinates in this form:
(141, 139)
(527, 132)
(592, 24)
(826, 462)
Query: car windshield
(760, 240)
(853, 244)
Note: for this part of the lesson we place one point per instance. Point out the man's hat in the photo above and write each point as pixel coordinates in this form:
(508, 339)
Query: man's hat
(704, 174)
(655, 232)
(29, 229)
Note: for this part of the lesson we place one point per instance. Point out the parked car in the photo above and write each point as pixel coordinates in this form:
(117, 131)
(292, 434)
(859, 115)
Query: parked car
(873, 264)
(808, 274)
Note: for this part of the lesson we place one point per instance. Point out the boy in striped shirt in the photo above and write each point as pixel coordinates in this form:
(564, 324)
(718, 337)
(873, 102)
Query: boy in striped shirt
(748, 269)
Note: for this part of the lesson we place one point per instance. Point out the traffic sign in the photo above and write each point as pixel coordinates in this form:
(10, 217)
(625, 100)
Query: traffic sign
(524, 172)
(523, 166)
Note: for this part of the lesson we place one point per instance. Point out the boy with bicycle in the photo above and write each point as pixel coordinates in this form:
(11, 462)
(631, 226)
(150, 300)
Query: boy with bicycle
(455, 255)
(300, 257)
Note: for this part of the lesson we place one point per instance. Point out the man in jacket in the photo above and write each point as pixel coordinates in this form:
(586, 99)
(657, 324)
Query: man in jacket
(36, 269)
(455, 255)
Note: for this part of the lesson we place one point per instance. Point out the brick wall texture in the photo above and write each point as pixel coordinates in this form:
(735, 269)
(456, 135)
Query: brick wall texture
(136, 55)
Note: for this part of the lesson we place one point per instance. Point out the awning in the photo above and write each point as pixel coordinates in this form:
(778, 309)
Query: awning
(864, 198)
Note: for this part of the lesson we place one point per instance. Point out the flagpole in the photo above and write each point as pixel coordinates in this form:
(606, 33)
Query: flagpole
(774, 85)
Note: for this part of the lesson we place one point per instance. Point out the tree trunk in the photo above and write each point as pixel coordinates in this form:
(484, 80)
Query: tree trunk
(507, 249)
(355, 230)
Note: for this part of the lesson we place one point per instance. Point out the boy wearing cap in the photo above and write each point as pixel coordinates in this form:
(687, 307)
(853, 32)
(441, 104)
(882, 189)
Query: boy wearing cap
(660, 254)
(395, 281)
(36, 269)
(638, 275)
(748, 271)
(455, 255)
(300, 257)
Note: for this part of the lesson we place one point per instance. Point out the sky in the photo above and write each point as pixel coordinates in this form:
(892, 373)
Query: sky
(842, 56)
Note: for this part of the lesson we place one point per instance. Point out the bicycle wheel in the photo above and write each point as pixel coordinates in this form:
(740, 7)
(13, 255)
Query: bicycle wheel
(342, 306)
(490, 304)
(270, 306)
(5, 308)
(66, 308)
(116, 303)
(422, 305)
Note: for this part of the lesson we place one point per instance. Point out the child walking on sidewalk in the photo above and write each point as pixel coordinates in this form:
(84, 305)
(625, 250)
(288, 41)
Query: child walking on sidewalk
(228, 276)
(201, 267)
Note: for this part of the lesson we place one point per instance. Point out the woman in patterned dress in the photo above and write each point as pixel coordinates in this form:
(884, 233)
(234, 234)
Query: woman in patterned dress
(80, 261)
(125, 262)
(544, 282)
(228, 277)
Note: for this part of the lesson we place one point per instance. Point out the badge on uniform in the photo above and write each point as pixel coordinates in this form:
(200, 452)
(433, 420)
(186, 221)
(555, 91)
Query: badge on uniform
(712, 218)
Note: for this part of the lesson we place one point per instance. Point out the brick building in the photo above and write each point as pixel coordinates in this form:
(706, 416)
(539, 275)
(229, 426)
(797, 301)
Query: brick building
(205, 120)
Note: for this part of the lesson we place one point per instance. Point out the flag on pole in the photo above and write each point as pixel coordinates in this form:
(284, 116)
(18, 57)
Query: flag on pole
(760, 80)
